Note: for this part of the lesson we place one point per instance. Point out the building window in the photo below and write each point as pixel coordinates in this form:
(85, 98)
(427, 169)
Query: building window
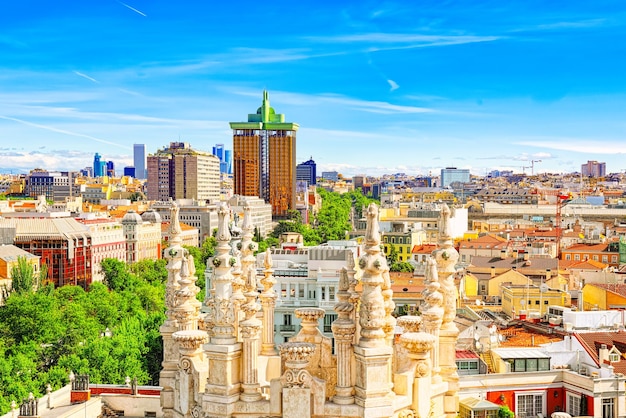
(328, 321)
(577, 257)
(608, 408)
(573, 404)
(287, 319)
(529, 405)
(331, 293)
(605, 258)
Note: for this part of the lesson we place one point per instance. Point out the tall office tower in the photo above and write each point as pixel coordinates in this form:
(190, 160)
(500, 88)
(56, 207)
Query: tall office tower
(97, 166)
(110, 169)
(139, 160)
(264, 160)
(218, 151)
(593, 169)
(307, 171)
(451, 175)
(228, 159)
(181, 172)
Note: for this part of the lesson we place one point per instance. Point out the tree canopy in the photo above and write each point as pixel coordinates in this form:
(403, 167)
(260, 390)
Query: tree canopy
(109, 332)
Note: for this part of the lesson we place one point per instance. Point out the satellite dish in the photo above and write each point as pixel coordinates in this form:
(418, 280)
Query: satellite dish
(543, 288)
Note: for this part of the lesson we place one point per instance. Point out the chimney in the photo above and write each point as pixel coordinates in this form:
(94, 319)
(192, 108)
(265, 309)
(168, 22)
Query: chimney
(548, 274)
(502, 254)
(603, 354)
(526, 256)
(493, 271)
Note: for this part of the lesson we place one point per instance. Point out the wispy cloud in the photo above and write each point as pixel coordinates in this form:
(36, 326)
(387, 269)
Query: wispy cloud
(371, 106)
(390, 41)
(83, 75)
(393, 85)
(63, 131)
(562, 25)
(133, 9)
(581, 145)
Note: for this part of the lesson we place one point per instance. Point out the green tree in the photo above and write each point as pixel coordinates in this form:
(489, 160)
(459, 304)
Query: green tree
(400, 266)
(116, 275)
(24, 278)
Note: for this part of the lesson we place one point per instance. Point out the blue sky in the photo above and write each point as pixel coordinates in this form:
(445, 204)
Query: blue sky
(377, 87)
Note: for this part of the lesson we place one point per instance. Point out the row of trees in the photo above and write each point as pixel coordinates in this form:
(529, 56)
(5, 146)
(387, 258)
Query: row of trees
(109, 332)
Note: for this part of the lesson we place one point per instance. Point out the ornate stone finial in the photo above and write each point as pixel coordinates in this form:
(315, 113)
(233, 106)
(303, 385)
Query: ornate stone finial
(223, 231)
(372, 315)
(221, 308)
(372, 234)
(187, 307)
(310, 318)
(175, 230)
(410, 323)
(296, 357)
(419, 345)
(445, 233)
(190, 340)
(268, 301)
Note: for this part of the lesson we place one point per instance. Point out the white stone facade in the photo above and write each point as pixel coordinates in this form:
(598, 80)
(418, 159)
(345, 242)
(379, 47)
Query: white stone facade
(224, 363)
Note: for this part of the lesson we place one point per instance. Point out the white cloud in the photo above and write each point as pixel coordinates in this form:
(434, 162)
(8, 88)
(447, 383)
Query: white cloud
(393, 84)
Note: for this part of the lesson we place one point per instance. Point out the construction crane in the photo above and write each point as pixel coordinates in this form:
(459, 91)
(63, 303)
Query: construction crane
(532, 166)
(560, 201)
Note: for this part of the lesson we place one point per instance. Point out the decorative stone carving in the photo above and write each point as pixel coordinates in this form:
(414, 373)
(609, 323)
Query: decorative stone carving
(296, 357)
(372, 313)
(418, 346)
(410, 323)
(221, 308)
(268, 301)
(343, 330)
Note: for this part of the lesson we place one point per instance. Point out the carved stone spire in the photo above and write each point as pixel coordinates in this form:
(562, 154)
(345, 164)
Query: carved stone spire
(447, 257)
(175, 230)
(268, 301)
(188, 307)
(221, 307)
(343, 331)
(373, 263)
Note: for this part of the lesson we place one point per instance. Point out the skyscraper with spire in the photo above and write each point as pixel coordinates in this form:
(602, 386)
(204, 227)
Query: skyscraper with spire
(264, 161)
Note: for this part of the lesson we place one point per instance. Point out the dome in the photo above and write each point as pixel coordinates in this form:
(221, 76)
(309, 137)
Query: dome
(151, 216)
(132, 217)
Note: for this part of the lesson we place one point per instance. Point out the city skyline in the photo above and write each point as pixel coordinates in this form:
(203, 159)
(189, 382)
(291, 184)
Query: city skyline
(376, 87)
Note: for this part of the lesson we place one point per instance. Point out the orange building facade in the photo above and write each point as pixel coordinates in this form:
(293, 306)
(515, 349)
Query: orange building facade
(264, 158)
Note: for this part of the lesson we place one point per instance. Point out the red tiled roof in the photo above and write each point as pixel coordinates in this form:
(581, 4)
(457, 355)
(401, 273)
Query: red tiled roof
(617, 288)
(465, 354)
(591, 341)
(590, 248)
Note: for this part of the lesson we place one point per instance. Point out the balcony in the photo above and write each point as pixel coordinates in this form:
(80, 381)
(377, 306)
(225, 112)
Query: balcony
(287, 328)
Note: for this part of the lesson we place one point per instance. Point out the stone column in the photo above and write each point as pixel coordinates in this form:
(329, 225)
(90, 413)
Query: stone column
(408, 323)
(296, 380)
(447, 257)
(343, 331)
(189, 345)
(418, 345)
(250, 329)
(268, 301)
(220, 307)
(223, 352)
(373, 385)
(433, 314)
(174, 256)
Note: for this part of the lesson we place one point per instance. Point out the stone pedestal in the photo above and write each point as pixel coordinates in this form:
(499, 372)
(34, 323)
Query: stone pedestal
(224, 382)
(419, 346)
(372, 386)
(296, 402)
